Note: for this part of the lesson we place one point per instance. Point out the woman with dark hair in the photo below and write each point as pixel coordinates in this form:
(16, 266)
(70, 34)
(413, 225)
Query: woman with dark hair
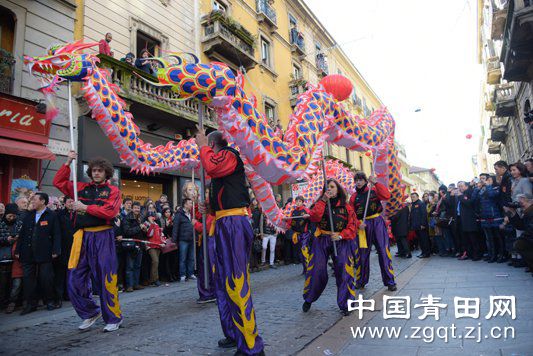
(143, 63)
(169, 261)
(519, 183)
(342, 233)
(491, 219)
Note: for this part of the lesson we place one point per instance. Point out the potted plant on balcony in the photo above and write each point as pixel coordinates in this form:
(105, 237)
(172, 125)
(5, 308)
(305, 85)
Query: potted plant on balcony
(233, 26)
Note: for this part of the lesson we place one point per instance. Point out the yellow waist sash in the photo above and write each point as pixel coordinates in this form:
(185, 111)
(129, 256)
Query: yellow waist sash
(231, 212)
(77, 242)
(362, 232)
(319, 232)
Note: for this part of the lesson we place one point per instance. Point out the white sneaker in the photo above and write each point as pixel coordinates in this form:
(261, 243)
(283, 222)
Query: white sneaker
(182, 279)
(193, 277)
(87, 323)
(112, 327)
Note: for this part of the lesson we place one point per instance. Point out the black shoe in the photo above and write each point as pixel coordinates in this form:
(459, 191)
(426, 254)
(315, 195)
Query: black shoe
(476, 259)
(227, 343)
(345, 312)
(50, 306)
(306, 306)
(423, 256)
(392, 287)
(273, 267)
(240, 353)
(359, 287)
(28, 309)
(492, 260)
(409, 256)
(520, 263)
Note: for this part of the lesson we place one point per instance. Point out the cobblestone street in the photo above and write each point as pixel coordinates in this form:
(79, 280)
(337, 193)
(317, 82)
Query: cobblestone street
(167, 320)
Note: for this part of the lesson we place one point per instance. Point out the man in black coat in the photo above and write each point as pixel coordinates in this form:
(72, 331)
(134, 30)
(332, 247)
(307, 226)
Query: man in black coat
(400, 229)
(67, 217)
(466, 211)
(182, 233)
(504, 177)
(39, 244)
(418, 222)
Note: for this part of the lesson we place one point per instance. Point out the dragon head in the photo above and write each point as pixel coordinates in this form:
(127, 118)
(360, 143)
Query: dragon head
(62, 62)
(189, 78)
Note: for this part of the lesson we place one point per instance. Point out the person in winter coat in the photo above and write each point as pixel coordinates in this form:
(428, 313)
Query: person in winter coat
(9, 232)
(400, 229)
(268, 236)
(491, 218)
(183, 234)
(67, 220)
(133, 228)
(418, 222)
(524, 245)
(444, 216)
(39, 244)
(469, 229)
(156, 239)
(342, 233)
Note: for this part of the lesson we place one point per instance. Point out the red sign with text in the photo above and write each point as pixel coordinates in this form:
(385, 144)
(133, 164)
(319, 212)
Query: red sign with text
(20, 120)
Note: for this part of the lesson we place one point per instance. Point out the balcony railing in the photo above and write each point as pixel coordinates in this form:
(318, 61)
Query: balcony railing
(297, 86)
(135, 89)
(498, 128)
(322, 64)
(7, 67)
(229, 39)
(297, 41)
(504, 98)
(498, 23)
(266, 13)
(494, 72)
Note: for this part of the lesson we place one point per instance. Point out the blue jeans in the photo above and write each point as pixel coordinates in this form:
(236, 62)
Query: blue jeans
(133, 268)
(186, 254)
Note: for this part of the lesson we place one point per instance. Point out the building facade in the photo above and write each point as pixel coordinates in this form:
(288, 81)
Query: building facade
(505, 37)
(28, 27)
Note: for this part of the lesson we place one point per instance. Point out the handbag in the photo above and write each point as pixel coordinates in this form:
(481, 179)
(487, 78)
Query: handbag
(169, 246)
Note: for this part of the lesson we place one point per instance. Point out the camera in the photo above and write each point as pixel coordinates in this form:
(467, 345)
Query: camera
(513, 205)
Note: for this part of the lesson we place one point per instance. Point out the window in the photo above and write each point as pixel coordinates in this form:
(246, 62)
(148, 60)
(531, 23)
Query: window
(360, 163)
(296, 72)
(149, 43)
(7, 37)
(265, 52)
(293, 23)
(219, 6)
(270, 113)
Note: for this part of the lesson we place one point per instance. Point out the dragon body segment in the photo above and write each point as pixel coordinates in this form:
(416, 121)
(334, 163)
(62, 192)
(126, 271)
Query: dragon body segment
(270, 156)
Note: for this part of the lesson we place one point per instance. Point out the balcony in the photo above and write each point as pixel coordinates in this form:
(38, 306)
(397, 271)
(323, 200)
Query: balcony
(504, 98)
(517, 51)
(498, 128)
(7, 67)
(495, 148)
(322, 65)
(297, 42)
(489, 101)
(297, 86)
(266, 14)
(225, 39)
(135, 89)
(498, 23)
(494, 72)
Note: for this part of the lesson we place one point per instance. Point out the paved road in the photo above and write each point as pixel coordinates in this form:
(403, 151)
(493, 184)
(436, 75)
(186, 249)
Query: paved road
(166, 320)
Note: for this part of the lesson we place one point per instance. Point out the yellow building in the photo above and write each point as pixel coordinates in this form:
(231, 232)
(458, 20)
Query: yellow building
(281, 46)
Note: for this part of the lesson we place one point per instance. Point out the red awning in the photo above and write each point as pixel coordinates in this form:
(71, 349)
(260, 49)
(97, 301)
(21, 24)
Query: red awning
(25, 149)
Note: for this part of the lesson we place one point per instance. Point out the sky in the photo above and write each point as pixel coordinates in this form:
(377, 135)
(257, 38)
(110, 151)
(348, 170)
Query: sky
(417, 54)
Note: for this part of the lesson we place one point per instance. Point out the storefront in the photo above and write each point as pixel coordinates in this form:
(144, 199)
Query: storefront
(24, 132)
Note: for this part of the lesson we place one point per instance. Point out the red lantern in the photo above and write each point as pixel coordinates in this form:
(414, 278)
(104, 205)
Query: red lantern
(468, 137)
(368, 153)
(337, 85)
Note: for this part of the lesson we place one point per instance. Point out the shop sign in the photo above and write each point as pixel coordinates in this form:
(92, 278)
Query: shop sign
(21, 116)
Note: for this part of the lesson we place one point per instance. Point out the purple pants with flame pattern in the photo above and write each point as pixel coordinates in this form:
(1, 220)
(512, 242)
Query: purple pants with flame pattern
(233, 241)
(97, 259)
(376, 234)
(316, 275)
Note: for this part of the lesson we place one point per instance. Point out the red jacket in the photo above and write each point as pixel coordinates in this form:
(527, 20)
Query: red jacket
(104, 48)
(320, 208)
(155, 236)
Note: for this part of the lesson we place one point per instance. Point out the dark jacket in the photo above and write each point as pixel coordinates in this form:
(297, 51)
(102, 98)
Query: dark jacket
(490, 211)
(524, 223)
(506, 189)
(131, 227)
(268, 229)
(38, 241)
(183, 229)
(418, 216)
(6, 230)
(400, 222)
(66, 221)
(144, 67)
(467, 209)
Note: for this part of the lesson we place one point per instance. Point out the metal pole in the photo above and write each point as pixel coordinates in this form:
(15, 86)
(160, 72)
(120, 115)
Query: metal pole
(72, 146)
(330, 212)
(201, 111)
(193, 216)
(369, 187)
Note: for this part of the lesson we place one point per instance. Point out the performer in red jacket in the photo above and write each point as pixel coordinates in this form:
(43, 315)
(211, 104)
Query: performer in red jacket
(299, 230)
(374, 228)
(229, 199)
(93, 247)
(321, 247)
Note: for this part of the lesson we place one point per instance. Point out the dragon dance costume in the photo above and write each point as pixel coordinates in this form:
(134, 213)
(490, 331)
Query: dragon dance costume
(299, 233)
(320, 248)
(93, 248)
(229, 199)
(376, 234)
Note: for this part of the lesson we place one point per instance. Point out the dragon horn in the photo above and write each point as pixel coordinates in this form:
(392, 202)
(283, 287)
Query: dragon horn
(179, 56)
